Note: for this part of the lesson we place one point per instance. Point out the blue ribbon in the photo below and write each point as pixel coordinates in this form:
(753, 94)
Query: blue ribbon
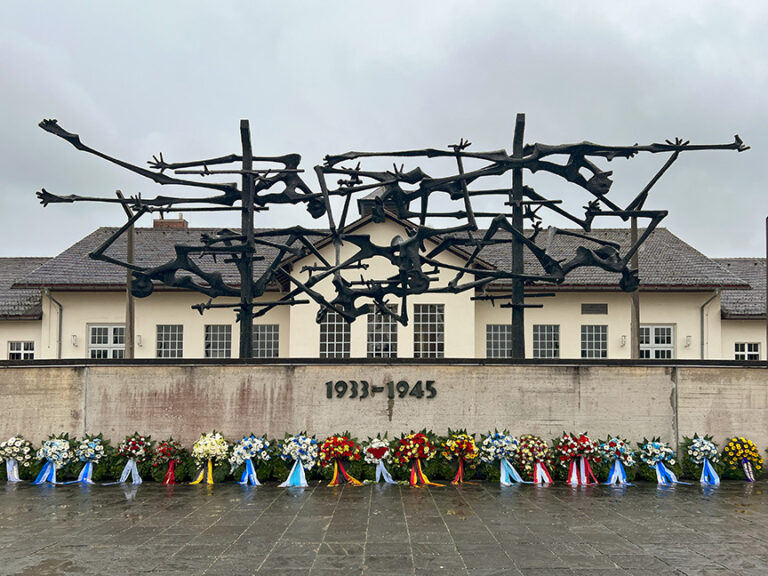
(83, 478)
(85, 474)
(47, 474)
(296, 477)
(509, 475)
(665, 476)
(709, 476)
(249, 475)
(618, 475)
(382, 472)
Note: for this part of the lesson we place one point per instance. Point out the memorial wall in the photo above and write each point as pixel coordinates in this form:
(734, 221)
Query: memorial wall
(366, 399)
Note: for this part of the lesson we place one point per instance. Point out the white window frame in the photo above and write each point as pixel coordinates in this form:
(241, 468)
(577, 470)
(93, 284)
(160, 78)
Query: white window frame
(654, 344)
(21, 350)
(594, 341)
(114, 347)
(266, 340)
(170, 340)
(381, 339)
(429, 330)
(498, 340)
(546, 340)
(746, 351)
(218, 341)
(335, 336)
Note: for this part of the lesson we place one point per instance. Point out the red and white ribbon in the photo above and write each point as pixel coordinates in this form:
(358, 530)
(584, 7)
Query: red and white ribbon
(580, 472)
(541, 474)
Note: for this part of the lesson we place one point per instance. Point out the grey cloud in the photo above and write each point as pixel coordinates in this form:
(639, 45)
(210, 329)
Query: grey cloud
(319, 78)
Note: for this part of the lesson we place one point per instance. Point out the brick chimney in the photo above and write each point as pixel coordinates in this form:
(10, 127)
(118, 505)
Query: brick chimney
(170, 223)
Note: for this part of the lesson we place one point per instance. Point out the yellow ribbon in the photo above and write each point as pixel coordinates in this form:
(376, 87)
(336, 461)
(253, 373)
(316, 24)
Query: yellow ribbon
(423, 477)
(202, 475)
(335, 479)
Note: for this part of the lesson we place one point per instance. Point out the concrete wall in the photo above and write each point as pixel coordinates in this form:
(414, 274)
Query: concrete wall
(274, 399)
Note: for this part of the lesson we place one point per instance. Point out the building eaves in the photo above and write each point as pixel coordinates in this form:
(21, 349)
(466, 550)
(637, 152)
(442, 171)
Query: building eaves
(16, 303)
(744, 304)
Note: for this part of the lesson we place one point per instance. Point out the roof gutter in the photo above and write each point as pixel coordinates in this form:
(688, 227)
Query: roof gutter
(61, 313)
(701, 311)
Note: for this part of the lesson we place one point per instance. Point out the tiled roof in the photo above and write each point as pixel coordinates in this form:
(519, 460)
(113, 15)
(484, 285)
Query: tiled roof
(74, 269)
(666, 262)
(744, 303)
(18, 303)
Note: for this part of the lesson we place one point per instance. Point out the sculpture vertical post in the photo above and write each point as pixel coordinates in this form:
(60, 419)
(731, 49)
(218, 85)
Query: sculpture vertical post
(518, 288)
(130, 312)
(246, 260)
(634, 321)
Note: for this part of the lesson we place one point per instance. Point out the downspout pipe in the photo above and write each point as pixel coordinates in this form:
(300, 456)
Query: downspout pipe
(703, 306)
(61, 313)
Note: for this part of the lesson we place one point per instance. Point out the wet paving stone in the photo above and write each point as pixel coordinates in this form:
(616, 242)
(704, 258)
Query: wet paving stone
(479, 530)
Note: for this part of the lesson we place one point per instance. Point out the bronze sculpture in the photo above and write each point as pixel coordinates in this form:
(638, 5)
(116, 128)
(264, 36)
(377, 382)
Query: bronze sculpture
(396, 190)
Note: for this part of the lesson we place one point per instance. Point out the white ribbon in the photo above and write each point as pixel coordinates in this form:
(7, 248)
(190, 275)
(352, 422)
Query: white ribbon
(382, 472)
(85, 474)
(296, 477)
(540, 474)
(130, 470)
(509, 475)
(746, 465)
(12, 470)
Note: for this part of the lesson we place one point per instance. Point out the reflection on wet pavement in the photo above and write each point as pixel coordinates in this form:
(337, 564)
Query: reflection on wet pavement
(476, 530)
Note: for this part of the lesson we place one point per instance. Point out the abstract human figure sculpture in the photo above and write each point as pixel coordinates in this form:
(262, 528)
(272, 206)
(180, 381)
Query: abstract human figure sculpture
(414, 196)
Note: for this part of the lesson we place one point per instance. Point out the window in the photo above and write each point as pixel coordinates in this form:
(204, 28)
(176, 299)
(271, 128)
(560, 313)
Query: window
(382, 334)
(498, 340)
(334, 336)
(657, 342)
(266, 340)
(21, 350)
(218, 341)
(747, 351)
(170, 340)
(594, 341)
(428, 330)
(106, 341)
(594, 308)
(546, 341)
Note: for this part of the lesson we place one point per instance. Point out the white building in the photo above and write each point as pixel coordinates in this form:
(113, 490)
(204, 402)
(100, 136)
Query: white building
(691, 307)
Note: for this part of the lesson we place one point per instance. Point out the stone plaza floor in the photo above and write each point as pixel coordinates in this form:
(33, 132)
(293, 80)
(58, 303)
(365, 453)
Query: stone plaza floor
(476, 530)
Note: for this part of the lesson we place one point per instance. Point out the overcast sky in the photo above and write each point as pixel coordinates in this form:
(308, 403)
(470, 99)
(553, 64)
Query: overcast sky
(134, 79)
